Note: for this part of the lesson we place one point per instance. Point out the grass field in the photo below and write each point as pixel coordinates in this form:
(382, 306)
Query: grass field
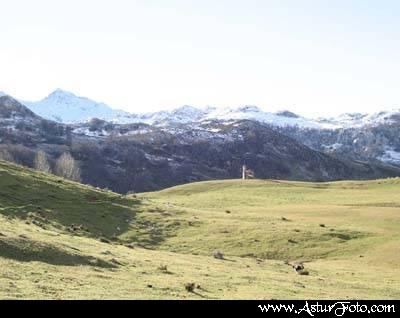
(62, 240)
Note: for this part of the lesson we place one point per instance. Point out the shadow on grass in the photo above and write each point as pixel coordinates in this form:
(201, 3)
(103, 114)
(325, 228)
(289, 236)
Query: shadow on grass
(47, 201)
(83, 216)
(25, 250)
(200, 295)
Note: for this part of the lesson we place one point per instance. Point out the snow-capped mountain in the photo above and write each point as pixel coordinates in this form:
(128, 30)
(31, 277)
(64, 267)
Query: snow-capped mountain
(141, 157)
(249, 112)
(66, 107)
(63, 106)
(181, 115)
(210, 142)
(357, 120)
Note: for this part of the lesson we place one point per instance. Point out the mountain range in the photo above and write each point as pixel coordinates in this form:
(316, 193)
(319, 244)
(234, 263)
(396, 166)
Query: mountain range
(66, 107)
(143, 152)
(356, 135)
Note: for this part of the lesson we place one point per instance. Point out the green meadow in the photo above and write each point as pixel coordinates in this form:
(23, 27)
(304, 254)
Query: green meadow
(64, 240)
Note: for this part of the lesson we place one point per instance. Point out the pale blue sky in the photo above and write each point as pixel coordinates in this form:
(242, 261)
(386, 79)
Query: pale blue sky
(313, 57)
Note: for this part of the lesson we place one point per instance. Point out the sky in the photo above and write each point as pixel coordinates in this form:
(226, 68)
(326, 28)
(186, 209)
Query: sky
(313, 57)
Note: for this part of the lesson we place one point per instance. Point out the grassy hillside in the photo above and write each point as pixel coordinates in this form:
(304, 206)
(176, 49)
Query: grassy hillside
(59, 239)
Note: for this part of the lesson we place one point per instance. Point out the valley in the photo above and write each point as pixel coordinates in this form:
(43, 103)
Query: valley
(201, 150)
(64, 240)
(140, 157)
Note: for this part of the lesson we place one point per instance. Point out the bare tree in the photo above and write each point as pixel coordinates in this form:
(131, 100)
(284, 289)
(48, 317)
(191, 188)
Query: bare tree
(41, 163)
(6, 155)
(67, 167)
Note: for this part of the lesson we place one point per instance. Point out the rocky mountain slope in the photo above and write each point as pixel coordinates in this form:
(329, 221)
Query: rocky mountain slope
(368, 137)
(142, 157)
(378, 142)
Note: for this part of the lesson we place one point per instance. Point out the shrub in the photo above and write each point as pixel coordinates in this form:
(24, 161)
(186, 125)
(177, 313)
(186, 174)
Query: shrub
(67, 167)
(41, 163)
(6, 155)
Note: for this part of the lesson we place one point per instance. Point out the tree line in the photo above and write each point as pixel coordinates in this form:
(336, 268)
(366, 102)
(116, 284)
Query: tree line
(65, 166)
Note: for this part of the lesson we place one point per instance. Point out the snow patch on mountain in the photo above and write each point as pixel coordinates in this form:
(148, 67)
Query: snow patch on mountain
(281, 119)
(390, 155)
(357, 120)
(332, 147)
(181, 115)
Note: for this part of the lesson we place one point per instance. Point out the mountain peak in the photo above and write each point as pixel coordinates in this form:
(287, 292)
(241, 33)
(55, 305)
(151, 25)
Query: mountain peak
(64, 106)
(287, 113)
(187, 110)
(61, 93)
(249, 108)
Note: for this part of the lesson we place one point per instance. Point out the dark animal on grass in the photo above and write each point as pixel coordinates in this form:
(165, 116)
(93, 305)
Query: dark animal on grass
(218, 255)
(190, 287)
(298, 266)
